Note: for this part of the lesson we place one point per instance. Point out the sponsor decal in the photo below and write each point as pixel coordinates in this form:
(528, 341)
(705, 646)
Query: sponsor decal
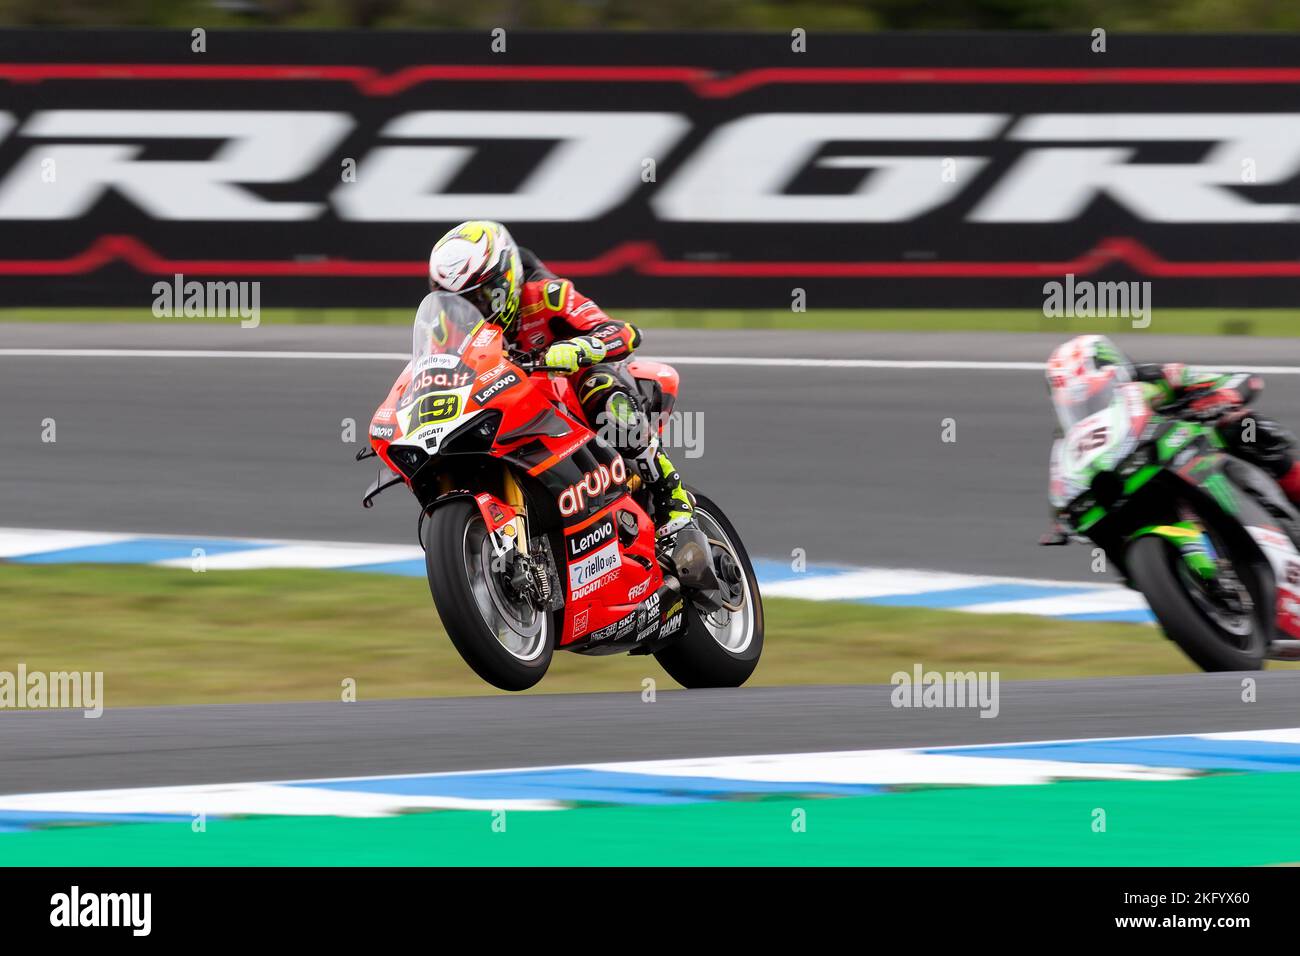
(385, 414)
(580, 622)
(493, 372)
(506, 381)
(616, 631)
(441, 360)
(672, 620)
(426, 380)
(484, 338)
(382, 431)
(593, 484)
(637, 590)
(647, 618)
(580, 544)
(496, 513)
(595, 585)
(597, 565)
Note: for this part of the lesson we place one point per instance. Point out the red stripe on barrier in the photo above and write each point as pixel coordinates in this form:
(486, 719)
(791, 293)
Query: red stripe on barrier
(644, 258)
(702, 82)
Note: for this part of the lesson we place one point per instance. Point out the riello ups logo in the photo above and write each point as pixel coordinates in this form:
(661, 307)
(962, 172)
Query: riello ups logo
(272, 166)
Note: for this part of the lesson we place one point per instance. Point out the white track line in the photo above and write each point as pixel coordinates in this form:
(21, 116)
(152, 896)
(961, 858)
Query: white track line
(729, 360)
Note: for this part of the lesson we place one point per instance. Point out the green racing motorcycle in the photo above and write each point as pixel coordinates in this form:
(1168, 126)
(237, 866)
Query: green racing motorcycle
(1207, 538)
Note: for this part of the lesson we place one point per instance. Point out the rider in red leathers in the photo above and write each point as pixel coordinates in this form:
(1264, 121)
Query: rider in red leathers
(479, 261)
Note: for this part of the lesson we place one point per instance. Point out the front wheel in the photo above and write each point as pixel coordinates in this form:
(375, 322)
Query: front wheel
(1215, 637)
(506, 640)
(719, 648)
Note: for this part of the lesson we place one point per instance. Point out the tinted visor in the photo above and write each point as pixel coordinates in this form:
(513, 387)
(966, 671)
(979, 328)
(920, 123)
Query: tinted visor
(492, 299)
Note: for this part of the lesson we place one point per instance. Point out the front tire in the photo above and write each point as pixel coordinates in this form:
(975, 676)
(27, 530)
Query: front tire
(707, 654)
(507, 642)
(1153, 565)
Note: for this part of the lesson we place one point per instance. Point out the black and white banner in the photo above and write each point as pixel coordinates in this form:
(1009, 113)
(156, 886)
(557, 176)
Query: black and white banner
(654, 170)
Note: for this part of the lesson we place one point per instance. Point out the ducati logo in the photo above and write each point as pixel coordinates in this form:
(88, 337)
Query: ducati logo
(574, 498)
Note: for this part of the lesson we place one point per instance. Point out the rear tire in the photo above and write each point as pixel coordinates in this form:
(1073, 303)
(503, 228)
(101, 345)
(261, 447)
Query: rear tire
(453, 560)
(696, 658)
(1151, 561)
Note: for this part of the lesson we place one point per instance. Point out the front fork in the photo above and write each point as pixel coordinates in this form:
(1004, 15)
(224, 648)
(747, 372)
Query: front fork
(507, 524)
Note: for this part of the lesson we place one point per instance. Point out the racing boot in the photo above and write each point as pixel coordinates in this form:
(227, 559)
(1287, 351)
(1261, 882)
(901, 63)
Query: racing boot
(673, 509)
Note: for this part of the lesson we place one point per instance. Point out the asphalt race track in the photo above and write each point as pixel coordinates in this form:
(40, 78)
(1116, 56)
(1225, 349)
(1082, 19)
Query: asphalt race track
(846, 463)
(60, 750)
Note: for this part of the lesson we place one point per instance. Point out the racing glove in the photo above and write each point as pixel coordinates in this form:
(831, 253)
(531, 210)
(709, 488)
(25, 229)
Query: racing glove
(572, 354)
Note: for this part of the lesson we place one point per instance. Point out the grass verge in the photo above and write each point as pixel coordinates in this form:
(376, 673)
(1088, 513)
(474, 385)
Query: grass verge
(164, 636)
(1265, 322)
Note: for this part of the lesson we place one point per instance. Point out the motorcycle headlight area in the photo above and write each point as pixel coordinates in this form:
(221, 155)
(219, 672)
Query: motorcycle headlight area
(475, 436)
(407, 458)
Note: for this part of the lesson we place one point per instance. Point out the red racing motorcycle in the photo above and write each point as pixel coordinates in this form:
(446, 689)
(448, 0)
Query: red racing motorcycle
(536, 537)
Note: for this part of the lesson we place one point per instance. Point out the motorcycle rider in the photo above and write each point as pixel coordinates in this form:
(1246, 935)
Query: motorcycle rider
(1219, 397)
(479, 261)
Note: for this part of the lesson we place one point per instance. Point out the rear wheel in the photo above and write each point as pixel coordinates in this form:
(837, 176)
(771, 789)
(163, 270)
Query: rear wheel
(504, 638)
(719, 648)
(1218, 631)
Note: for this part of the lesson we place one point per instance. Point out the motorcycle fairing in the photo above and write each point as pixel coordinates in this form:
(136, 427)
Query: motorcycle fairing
(1227, 482)
(541, 432)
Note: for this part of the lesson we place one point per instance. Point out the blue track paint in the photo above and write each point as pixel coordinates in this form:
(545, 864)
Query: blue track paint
(579, 785)
(1193, 753)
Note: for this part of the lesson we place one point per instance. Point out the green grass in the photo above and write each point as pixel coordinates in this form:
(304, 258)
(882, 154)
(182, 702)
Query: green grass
(1266, 322)
(171, 636)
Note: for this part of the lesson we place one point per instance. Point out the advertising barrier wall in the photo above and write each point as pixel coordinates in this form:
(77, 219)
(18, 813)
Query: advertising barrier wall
(654, 170)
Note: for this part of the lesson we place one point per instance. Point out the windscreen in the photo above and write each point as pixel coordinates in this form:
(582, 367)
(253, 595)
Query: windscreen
(443, 324)
(1083, 397)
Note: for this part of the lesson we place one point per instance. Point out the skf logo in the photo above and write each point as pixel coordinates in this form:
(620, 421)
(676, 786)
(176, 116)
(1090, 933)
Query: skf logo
(574, 498)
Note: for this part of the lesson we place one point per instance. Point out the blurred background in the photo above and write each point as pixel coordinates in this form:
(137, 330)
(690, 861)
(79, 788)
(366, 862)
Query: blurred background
(1127, 15)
